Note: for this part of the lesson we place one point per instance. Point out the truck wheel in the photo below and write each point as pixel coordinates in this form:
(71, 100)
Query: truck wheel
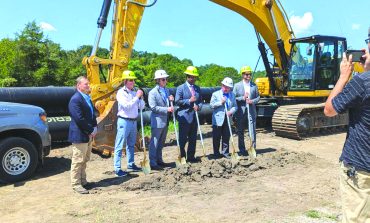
(18, 158)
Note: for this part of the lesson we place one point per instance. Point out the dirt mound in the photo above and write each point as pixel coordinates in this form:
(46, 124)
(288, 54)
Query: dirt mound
(222, 168)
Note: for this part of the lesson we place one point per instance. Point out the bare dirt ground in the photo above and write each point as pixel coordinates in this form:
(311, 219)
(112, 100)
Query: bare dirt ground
(291, 181)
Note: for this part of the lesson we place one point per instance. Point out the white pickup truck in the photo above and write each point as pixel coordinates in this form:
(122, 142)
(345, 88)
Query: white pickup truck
(24, 140)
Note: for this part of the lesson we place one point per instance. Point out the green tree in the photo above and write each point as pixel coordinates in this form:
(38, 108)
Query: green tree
(7, 59)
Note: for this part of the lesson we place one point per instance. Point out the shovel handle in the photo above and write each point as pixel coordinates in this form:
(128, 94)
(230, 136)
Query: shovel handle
(142, 128)
(174, 124)
(231, 133)
(200, 132)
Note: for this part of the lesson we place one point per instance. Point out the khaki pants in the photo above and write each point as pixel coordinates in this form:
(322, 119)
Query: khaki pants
(355, 193)
(81, 154)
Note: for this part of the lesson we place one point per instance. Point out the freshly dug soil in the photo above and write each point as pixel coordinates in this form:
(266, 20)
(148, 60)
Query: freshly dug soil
(175, 178)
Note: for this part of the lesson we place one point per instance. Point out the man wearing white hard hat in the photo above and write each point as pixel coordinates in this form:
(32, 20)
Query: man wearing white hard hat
(219, 120)
(159, 102)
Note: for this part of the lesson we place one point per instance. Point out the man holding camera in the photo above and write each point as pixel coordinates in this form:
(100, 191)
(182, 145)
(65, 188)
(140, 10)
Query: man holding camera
(354, 96)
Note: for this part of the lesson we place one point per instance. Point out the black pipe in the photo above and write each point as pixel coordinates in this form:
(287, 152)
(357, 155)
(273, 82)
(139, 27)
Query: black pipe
(102, 20)
(54, 100)
(58, 126)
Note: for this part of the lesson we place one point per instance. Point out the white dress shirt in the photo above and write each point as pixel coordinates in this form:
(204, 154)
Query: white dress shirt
(247, 87)
(128, 103)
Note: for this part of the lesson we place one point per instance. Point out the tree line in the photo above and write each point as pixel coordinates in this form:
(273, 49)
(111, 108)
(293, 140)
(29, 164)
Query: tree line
(31, 59)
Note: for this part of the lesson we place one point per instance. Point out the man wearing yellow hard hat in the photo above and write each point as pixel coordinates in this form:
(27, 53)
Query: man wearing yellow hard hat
(129, 102)
(189, 100)
(247, 97)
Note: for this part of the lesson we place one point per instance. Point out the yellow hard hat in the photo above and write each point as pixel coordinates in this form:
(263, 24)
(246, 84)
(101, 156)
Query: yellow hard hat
(245, 69)
(192, 71)
(128, 75)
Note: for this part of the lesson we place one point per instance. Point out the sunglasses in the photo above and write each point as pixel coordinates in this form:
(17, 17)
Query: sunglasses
(163, 79)
(191, 77)
(130, 80)
(367, 41)
(247, 74)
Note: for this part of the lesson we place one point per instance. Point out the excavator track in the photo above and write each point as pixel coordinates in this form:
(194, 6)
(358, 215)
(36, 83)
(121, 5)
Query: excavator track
(304, 120)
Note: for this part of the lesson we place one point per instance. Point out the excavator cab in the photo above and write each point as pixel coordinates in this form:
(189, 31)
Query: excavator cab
(314, 64)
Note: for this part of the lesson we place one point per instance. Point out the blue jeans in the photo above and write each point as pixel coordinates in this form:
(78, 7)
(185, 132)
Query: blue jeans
(126, 135)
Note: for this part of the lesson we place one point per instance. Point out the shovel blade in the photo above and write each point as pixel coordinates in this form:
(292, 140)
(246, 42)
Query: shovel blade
(180, 161)
(204, 159)
(145, 167)
(252, 153)
(234, 156)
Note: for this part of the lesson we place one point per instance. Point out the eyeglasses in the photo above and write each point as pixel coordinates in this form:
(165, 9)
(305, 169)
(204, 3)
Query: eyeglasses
(163, 79)
(367, 41)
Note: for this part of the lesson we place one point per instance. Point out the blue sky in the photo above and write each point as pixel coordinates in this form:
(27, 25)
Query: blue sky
(199, 30)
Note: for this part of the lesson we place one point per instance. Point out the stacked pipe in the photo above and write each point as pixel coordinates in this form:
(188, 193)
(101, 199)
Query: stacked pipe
(54, 100)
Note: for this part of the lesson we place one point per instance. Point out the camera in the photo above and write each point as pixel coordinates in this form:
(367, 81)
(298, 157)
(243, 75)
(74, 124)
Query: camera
(356, 55)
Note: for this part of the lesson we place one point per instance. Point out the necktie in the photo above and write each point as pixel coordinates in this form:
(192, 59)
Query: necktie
(192, 90)
(227, 99)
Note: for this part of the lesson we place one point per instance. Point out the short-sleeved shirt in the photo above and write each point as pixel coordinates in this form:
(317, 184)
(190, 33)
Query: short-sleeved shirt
(355, 98)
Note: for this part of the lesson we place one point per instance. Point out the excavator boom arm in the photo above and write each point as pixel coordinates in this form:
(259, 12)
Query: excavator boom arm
(268, 19)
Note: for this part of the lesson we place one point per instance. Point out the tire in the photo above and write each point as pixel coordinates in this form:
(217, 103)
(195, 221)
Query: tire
(18, 158)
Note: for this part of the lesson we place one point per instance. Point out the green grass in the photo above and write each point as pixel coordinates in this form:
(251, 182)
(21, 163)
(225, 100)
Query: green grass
(313, 214)
(171, 128)
(317, 214)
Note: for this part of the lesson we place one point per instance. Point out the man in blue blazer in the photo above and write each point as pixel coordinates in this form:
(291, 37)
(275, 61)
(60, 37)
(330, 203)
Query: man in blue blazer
(220, 127)
(158, 99)
(189, 100)
(246, 93)
(82, 130)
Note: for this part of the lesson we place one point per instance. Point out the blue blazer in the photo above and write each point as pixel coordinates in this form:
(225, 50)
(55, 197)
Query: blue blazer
(254, 96)
(218, 115)
(159, 115)
(185, 110)
(82, 121)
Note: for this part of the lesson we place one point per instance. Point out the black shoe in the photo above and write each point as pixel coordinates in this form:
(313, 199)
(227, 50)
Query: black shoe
(133, 168)
(88, 185)
(120, 173)
(155, 168)
(243, 154)
(217, 156)
(194, 160)
(163, 164)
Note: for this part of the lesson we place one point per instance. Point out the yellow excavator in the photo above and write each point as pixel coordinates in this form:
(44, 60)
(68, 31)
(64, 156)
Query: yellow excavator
(292, 93)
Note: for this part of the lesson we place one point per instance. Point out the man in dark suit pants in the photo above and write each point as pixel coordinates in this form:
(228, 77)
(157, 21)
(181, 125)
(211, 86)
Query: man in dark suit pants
(247, 97)
(82, 129)
(189, 100)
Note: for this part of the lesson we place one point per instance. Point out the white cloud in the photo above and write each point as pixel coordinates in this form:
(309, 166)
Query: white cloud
(47, 27)
(170, 43)
(301, 24)
(356, 26)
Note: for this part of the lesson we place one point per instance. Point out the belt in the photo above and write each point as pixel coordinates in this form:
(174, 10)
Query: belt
(129, 119)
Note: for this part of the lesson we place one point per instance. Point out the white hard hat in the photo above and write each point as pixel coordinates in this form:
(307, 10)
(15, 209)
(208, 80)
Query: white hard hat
(160, 74)
(228, 82)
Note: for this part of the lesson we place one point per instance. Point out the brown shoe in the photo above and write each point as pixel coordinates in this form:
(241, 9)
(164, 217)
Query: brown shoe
(79, 189)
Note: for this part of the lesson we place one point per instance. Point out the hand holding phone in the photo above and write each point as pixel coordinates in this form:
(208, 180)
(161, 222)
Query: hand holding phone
(356, 55)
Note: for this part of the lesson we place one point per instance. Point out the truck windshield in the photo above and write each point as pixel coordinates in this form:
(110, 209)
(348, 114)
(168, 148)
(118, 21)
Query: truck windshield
(301, 67)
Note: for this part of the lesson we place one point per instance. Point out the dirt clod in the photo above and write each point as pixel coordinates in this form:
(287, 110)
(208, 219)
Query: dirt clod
(221, 168)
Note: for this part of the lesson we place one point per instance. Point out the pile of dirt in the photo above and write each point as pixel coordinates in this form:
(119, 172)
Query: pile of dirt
(221, 168)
